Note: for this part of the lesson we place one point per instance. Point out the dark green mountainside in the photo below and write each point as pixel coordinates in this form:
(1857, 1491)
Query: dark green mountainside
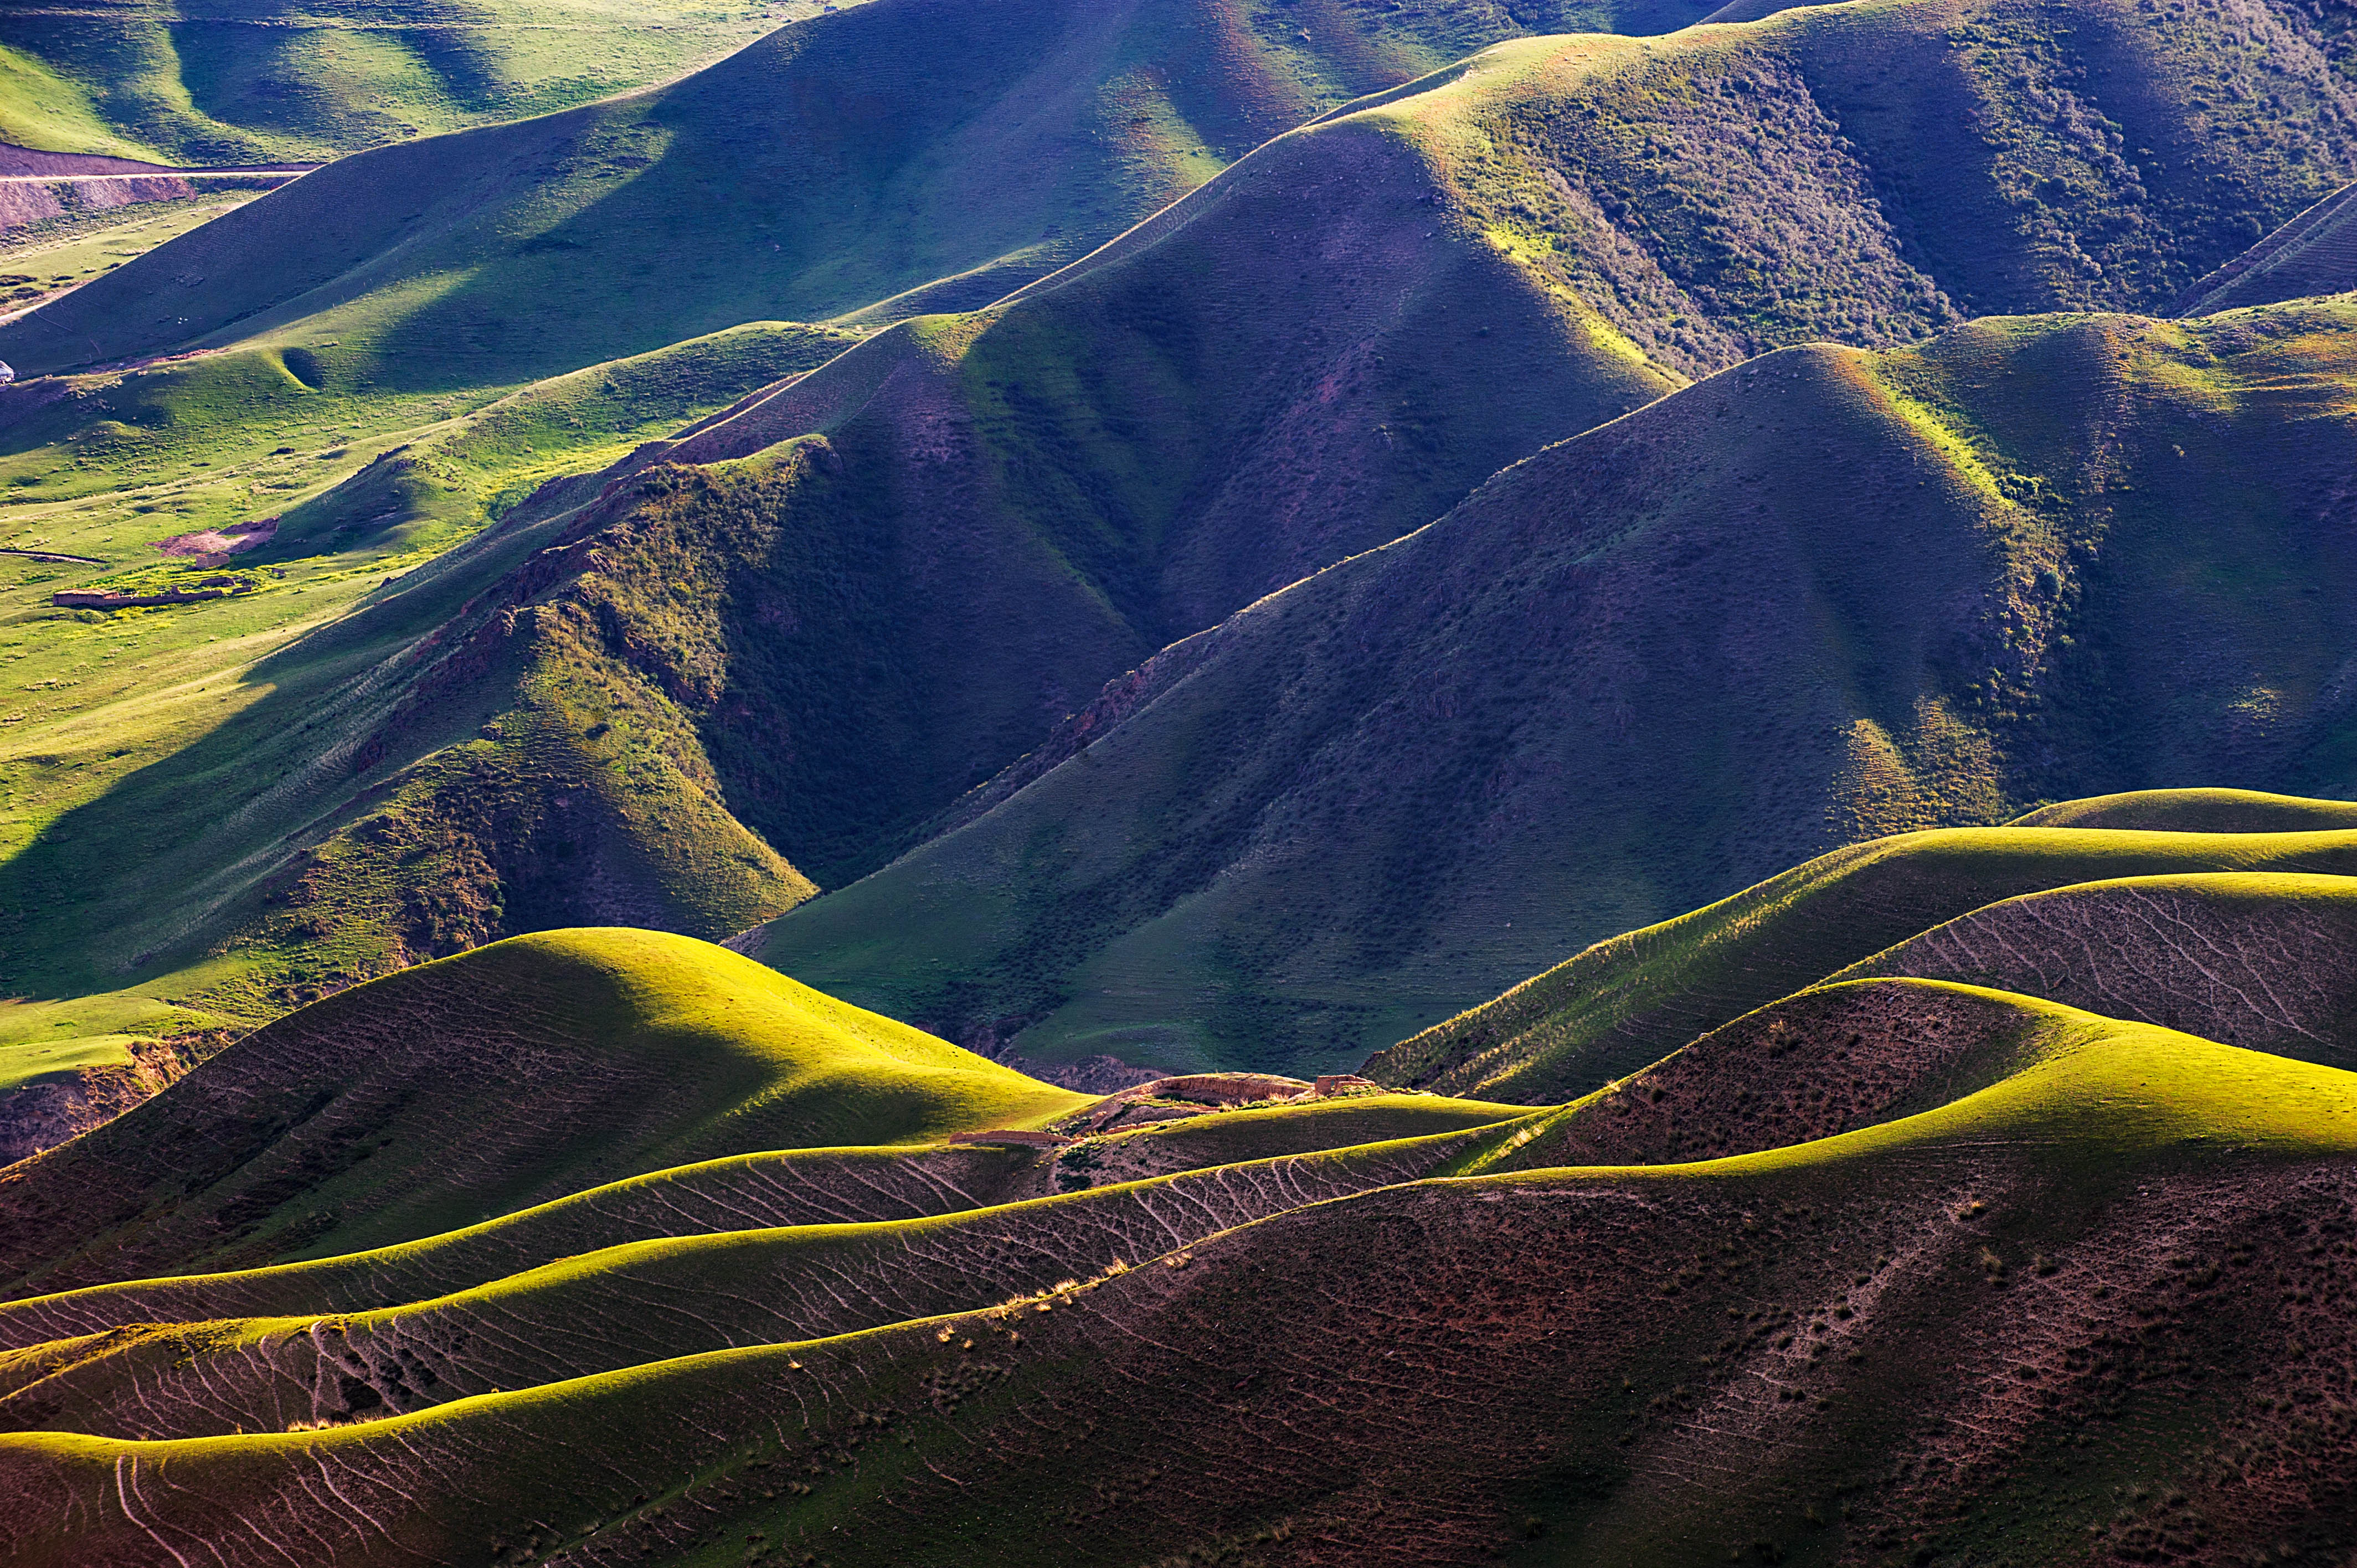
(1825, 595)
(965, 145)
(793, 660)
(781, 649)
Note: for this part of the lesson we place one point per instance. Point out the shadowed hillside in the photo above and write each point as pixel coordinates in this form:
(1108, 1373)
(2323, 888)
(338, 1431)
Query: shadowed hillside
(1644, 669)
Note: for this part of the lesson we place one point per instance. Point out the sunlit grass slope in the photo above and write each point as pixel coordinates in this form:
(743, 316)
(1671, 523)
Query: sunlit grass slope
(1972, 1330)
(1629, 1000)
(2195, 812)
(615, 1307)
(219, 82)
(1823, 1063)
(369, 1117)
(2263, 960)
(1826, 596)
(220, 759)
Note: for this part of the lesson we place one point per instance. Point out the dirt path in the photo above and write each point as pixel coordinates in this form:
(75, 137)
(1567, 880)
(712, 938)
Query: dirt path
(37, 184)
(35, 162)
(288, 171)
(52, 555)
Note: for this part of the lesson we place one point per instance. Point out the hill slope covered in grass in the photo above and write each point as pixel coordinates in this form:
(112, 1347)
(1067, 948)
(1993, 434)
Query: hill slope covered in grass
(1884, 1267)
(199, 754)
(219, 82)
(966, 144)
(2243, 934)
(597, 1054)
(2273, 974)
(2195, 812)
(1871, 909)
(1691, 191)
(749, 679)
(213, 82)
(1824, 596)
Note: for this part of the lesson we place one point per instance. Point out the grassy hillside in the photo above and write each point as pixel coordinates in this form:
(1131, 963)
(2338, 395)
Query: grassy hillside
(406, 828)
(767, 609)
(754, 679)
(215, 762)
(1644, 669)
(1820, 1063)
(359, 1121)
(1138, 445)
(2195, 812)
(219, 82)
(2072, 1257)
(2275, 975)
(830, 164)
(1633, 998)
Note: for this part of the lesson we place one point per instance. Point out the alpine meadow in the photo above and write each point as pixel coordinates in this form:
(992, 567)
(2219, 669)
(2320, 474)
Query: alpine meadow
(1135, 783)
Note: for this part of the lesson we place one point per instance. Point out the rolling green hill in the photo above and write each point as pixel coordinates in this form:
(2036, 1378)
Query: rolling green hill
(787, 666)
(199, 754)
(827, 166)
(220, 81)
(2275, 975)
(1883, 1266)
(360, 1120)
(1628, 1000)
(1651, 1364)
(1643, 668)
(229, 81)
(1667, 185)
(2194, 812)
